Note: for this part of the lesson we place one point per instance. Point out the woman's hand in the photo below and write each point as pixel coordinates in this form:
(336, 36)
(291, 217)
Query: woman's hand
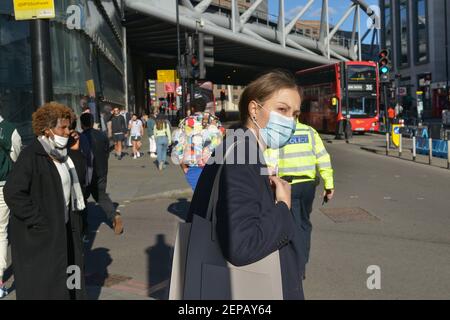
(74, 141)
(282, 190)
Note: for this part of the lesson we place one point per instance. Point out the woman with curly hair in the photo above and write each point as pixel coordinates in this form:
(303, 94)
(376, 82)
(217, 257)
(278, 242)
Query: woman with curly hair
(46, 201)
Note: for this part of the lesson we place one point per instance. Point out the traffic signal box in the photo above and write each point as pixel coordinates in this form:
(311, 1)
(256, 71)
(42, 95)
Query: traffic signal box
(384, 65)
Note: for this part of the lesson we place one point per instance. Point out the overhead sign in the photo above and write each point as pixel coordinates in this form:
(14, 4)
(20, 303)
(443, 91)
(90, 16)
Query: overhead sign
(34, 9)
(165, 76)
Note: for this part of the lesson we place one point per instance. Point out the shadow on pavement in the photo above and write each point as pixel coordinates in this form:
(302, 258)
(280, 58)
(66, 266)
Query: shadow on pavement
(180, 208)
(159, 267)
(101, 258)
(97, 260)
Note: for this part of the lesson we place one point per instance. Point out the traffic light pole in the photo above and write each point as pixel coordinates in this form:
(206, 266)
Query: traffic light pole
(41, 62)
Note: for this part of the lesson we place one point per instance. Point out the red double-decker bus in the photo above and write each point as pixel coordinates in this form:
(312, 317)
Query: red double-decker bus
(346, 90)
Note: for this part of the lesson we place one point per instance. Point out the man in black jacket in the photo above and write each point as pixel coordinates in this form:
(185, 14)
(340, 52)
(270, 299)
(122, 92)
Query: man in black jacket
(119, 131)
(95, 146)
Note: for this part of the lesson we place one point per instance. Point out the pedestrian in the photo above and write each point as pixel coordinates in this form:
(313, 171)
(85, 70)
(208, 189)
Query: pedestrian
(10, 146)
(299, 163)
(46, 201)
(163, 138)
(150, 133)
(198, 135)
(253, 210)
(95, 146)
(119, 131)
(136, 129)
(391, 117)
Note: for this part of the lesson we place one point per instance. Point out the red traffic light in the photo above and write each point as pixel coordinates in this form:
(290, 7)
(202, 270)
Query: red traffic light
(384, 54)
(194, 61)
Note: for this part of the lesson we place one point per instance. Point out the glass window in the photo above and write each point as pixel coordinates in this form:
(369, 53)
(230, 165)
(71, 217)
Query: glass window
(404, 33)
(421, 24)
(361, 107)
(361, 73)
(387, 24)
(16, 95)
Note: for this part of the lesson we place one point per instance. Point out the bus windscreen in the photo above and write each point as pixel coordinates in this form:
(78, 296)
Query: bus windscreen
(361, 107)
(361, 73)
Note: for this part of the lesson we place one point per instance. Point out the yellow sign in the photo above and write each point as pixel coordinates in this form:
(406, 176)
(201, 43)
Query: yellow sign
(90, 88)
(396, 134)
(334, 102)
(165, 76)
(34, 9)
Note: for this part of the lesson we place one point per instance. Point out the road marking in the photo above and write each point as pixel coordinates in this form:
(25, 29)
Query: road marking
(127, 201)
(420, 199)
(122, 206)
(354, 197)
(387, 198)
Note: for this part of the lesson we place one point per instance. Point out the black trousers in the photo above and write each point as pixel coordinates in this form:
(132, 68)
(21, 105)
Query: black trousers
(302, 198)
(97, 189)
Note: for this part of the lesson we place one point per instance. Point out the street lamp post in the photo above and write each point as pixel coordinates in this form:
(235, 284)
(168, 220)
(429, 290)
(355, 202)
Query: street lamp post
(179, 73)
(446, 53)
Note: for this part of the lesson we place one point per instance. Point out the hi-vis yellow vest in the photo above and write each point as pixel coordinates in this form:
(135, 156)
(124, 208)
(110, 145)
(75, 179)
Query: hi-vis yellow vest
(302, 157)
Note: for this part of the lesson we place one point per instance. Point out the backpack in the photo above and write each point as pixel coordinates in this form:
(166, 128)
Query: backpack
(6, 131)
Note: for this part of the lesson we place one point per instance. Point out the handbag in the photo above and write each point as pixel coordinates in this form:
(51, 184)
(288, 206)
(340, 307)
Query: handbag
(201, 272)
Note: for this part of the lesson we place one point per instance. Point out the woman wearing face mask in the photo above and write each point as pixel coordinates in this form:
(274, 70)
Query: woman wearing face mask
(253, 209)
(45, 198)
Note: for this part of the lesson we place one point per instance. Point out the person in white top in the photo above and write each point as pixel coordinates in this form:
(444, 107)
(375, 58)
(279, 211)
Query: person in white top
(136, 132)
(10, 146)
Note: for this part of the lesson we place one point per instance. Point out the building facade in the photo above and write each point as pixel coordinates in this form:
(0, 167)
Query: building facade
(86, 45)
(414, 32)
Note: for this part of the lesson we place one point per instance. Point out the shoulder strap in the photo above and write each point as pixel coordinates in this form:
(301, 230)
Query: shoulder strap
(211, 214)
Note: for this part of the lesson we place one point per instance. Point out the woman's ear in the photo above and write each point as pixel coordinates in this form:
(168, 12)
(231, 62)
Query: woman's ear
(252, 110)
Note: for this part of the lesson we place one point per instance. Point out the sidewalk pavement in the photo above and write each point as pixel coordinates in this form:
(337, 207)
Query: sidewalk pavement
(376, 143)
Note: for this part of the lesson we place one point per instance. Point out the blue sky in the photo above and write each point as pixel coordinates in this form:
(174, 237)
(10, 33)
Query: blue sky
(337, 9)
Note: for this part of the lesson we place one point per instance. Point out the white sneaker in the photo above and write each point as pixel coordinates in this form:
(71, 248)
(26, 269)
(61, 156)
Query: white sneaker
(135, 157)
(152, 155)
(3, 292)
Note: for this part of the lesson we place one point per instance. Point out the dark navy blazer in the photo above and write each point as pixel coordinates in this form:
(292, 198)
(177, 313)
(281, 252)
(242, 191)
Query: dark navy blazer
(250, 225)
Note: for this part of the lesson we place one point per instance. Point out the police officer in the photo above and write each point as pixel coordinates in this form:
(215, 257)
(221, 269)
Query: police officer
(298, 163)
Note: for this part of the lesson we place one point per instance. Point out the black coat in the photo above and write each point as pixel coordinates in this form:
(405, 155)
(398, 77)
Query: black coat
(99, 144)
(42, 245)
(250, 225)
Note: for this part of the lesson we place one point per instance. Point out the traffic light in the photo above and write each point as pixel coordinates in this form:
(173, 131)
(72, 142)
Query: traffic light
(384, 64)
(205, 52)
(195, 67)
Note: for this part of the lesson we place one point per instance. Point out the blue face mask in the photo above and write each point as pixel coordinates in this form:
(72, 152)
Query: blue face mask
(278, 131)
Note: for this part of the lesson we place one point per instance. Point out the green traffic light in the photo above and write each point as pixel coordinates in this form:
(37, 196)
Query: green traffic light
(384, 70)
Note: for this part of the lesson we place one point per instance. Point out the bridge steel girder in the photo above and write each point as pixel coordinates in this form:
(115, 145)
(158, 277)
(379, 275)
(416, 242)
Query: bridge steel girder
(236, 29)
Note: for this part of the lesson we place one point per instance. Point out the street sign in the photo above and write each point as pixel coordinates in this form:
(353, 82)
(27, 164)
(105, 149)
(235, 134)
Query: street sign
(90, 88)
(396, 134)
(169, 87)
(179, 90)
(38, 9)
(402, 91)
(165, 76)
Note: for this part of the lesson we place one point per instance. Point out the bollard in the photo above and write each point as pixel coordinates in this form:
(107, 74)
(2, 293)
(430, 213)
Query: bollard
(430, 143)
(387, 143)
(414, 149)
(448, 154)
(400, 147)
